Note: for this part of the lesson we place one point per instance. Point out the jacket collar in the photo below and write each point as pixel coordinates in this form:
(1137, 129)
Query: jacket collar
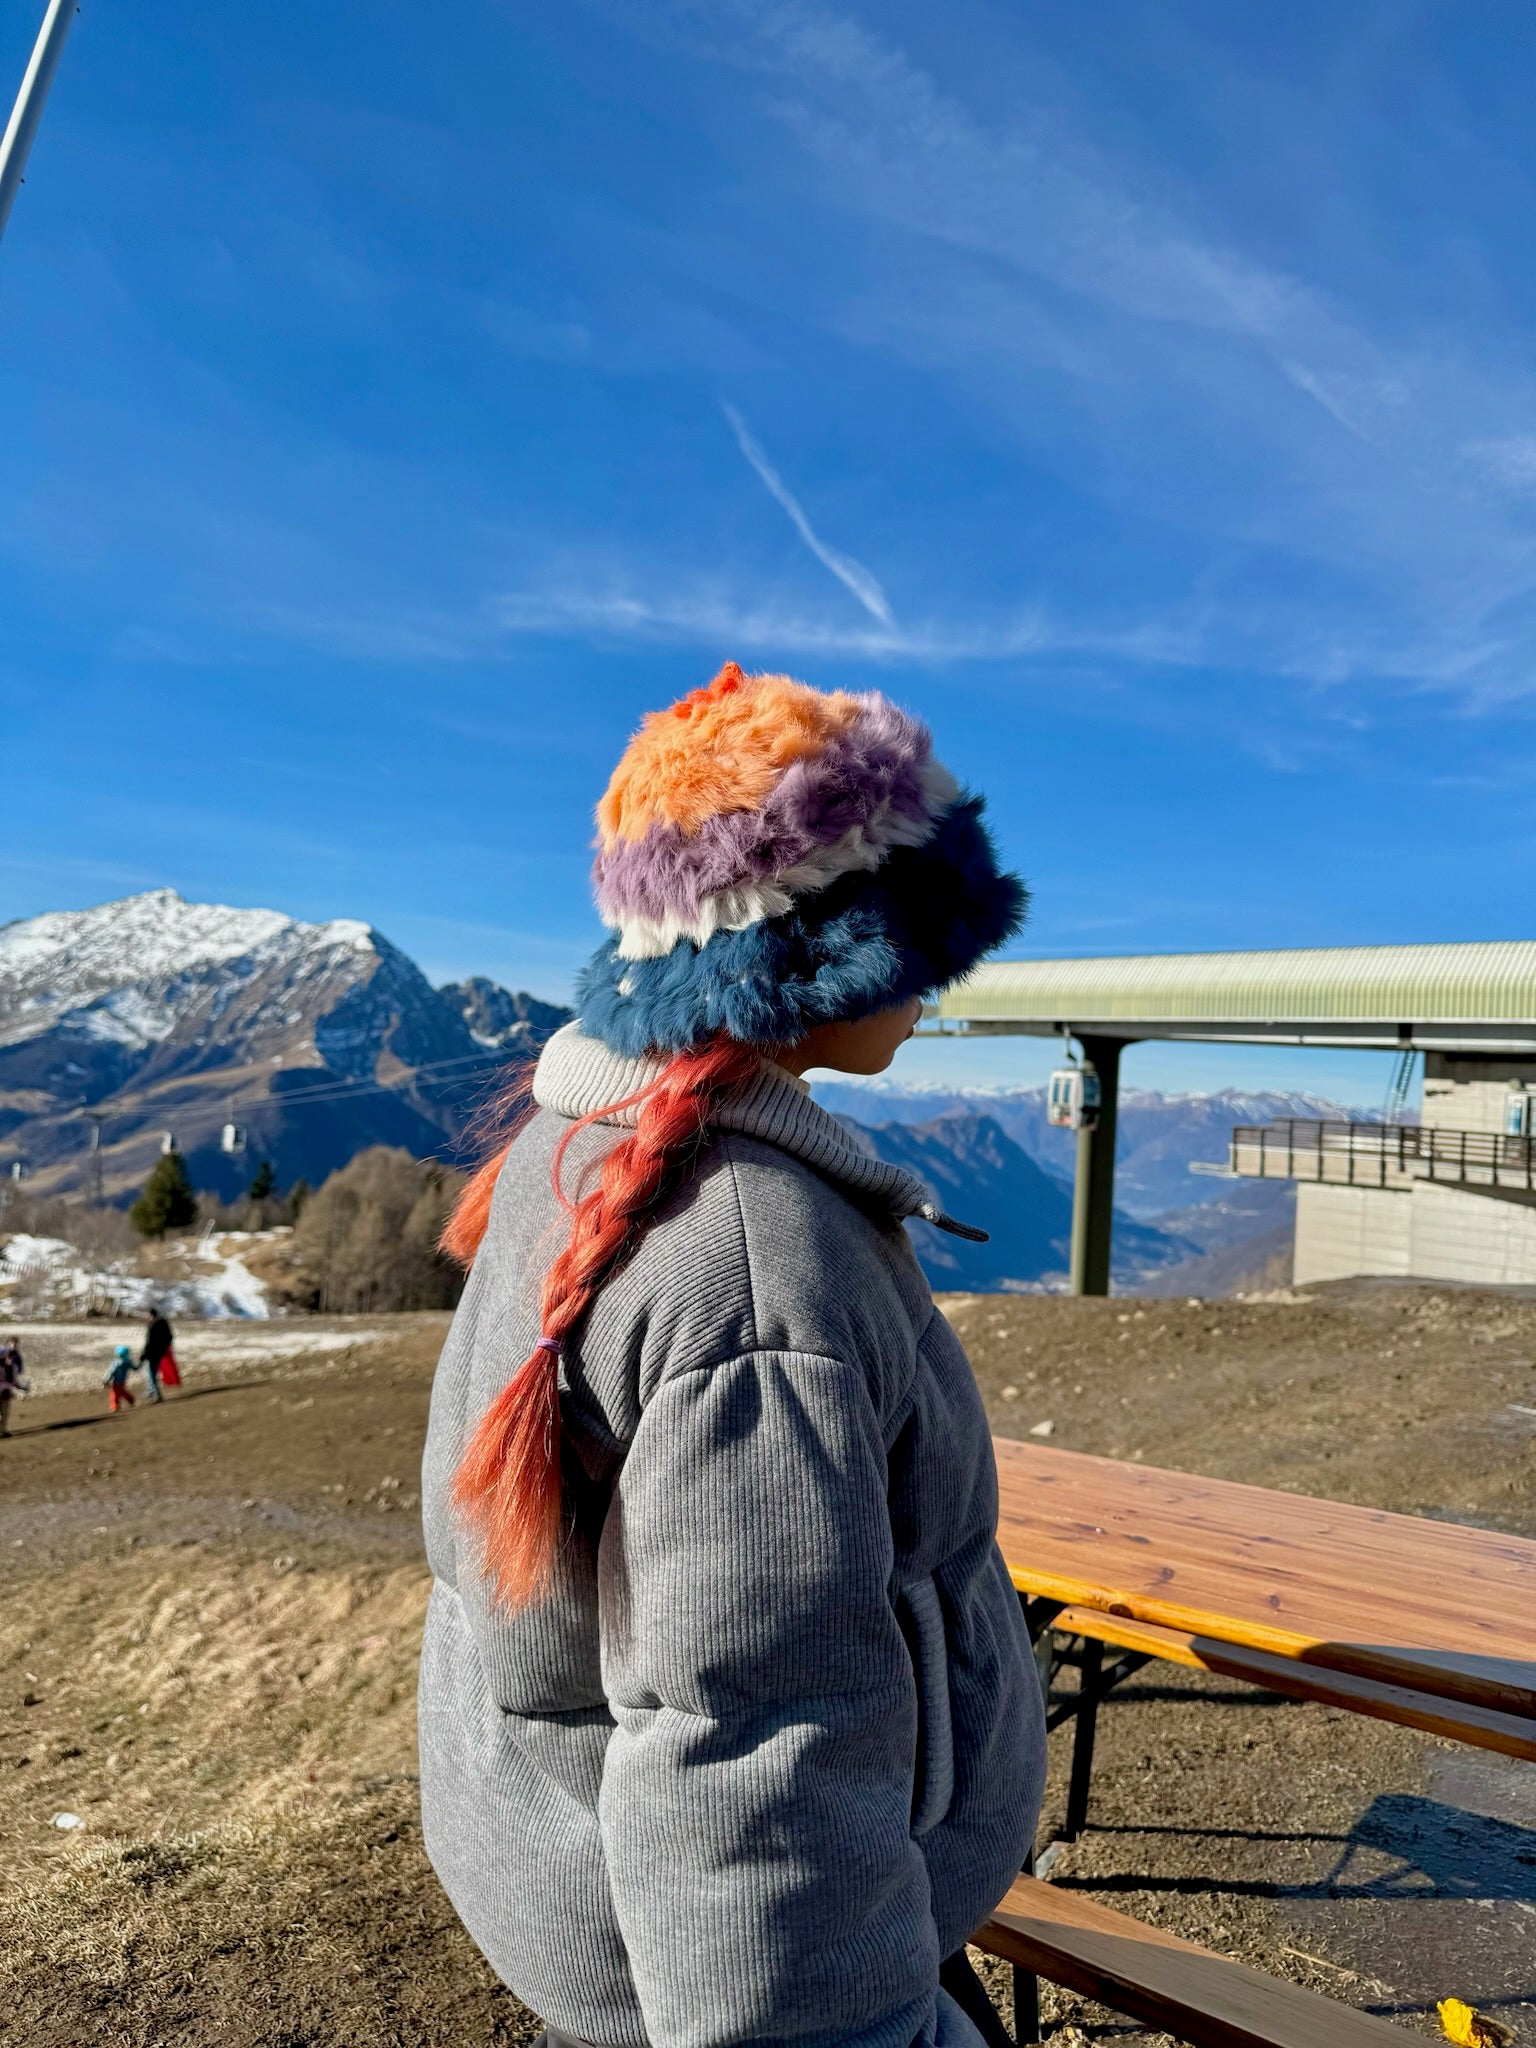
(577, 1075)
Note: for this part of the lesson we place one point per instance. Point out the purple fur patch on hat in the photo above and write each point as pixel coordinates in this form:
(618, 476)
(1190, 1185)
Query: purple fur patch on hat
(876, 775)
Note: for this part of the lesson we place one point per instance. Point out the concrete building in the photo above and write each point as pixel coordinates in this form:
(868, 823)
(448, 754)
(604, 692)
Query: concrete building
(1452, 1197)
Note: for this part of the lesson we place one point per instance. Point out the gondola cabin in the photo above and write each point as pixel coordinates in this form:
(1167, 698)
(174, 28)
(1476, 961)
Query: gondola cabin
(232, 1138)
(1072, 1100)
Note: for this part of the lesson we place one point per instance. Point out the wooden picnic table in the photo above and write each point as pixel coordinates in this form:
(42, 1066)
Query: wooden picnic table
(1447, 1610)
(1431, 1624)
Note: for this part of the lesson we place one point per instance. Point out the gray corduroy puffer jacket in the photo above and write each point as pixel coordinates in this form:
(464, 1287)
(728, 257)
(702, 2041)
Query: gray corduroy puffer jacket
(773, 1745)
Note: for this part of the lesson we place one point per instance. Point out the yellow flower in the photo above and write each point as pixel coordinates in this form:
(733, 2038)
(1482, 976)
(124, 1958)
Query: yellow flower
(1470, 2028)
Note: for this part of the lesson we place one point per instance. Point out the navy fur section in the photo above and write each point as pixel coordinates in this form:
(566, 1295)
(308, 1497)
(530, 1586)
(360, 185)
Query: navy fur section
(920, 921)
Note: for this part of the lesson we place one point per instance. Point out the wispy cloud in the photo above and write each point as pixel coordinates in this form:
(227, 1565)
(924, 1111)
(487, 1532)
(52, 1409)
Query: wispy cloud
(614, 599)
(712, 616)
(1508, 461)
(851, 574)
(716, 618)
(1364, 406)
(1260, 471)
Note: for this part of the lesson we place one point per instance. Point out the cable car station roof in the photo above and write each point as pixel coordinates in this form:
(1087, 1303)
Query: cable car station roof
(1478, 998)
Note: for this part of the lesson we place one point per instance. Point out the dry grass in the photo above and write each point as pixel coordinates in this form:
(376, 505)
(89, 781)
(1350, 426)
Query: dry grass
(233, 1720)
(238, 1738)
(310, 1931)
(180, 1692)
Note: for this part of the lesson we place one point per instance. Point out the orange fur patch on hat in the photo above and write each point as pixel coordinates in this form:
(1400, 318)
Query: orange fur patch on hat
(718, 749)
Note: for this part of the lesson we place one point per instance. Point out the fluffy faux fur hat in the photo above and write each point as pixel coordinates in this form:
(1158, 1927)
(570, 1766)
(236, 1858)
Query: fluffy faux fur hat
(771, 857)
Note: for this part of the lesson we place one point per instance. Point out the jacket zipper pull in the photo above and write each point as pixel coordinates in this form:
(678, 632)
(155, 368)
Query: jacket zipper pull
(931, 1213)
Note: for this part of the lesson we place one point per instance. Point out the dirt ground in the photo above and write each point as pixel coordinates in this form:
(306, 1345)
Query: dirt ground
(210, 1618)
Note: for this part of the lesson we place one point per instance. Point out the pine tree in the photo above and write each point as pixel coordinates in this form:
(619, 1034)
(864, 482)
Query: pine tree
(166, 1201)
(263, 1182)
(298, 1195)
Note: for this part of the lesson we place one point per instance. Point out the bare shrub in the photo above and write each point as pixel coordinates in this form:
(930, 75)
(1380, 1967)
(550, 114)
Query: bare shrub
(367, 1240)
(39, 1215)
(102, 1238)
(101, 1234)
(245, 1212)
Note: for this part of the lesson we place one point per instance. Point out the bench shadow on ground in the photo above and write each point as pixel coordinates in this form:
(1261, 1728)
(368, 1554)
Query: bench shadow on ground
(1405, 1849)
(1433, 1851)
(1226, 1693)
(1404, 1846)
(176, 1401)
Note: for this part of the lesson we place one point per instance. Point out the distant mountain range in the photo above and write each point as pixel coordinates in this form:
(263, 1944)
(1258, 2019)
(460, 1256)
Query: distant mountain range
(1159, 1135)
(978, 1174)
(1174, 1226)
(162, 1016)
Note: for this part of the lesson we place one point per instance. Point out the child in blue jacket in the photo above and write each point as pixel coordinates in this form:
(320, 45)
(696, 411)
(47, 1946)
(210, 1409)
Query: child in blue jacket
(119, 1393)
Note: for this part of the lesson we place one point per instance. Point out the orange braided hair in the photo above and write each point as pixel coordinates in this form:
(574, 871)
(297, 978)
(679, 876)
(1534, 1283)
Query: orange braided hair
(507, 1487)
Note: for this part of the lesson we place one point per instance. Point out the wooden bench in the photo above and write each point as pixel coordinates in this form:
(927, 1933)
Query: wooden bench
(1140, 1641)
(1204, 1999)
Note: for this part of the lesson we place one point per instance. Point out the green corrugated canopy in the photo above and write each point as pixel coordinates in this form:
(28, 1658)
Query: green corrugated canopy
(1366, 994)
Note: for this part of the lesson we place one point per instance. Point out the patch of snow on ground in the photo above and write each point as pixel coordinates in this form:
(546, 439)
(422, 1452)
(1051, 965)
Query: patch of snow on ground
(227, 1289)
(236, 1286)
(25, 1255)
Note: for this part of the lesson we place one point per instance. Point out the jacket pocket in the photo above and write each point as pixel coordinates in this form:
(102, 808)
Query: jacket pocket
(922, 1623)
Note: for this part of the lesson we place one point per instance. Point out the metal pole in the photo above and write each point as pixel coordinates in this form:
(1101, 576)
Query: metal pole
(1093, 1190)
(96, 1118)
(28, 110)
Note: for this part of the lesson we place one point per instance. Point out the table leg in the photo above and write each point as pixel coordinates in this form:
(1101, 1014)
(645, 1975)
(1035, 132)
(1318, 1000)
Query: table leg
(1045, 1662)
(1038, 1616)
(1026, 1988)
(1091, 1689)
(1026, 2007)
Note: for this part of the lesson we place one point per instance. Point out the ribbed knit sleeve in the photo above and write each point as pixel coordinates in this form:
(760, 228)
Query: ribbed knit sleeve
(756, 1801)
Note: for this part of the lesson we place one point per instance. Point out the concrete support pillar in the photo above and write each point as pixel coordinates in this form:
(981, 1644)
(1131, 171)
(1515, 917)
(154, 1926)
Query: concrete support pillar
(1093, 1192)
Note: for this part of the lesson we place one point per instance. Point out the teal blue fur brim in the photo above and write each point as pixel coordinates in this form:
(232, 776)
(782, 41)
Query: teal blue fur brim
(920, 921)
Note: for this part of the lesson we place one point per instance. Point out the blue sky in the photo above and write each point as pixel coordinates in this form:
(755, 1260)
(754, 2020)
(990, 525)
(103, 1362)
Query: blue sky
(397, 405)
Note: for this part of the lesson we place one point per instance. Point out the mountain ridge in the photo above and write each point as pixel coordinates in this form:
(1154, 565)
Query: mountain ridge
(1158, 1141)
(157, 1016)
(977, 1172)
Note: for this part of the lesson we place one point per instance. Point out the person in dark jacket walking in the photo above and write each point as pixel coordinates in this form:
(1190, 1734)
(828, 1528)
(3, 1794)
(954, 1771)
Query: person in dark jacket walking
(729, 1728)
(158, 1343)
(13, 1380)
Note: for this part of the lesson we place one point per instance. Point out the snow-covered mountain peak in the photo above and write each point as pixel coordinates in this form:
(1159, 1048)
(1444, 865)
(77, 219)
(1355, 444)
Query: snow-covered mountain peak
(153, 1013)
(1238, 1105)
(123, 969)
(151, 936)
(1244, 1105)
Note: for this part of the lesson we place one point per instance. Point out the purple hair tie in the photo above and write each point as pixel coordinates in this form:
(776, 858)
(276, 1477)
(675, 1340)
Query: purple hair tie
(548, 1344)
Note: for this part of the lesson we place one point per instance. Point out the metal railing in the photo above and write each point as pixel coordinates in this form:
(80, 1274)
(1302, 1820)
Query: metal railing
(1382, 1155)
